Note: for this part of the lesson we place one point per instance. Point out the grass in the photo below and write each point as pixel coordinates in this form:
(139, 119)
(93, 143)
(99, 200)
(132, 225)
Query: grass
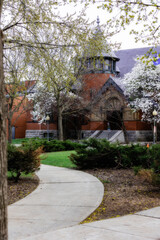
(19, 140)
(59, 159)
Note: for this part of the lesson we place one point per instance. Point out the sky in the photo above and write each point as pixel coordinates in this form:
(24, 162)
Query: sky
(127, 41)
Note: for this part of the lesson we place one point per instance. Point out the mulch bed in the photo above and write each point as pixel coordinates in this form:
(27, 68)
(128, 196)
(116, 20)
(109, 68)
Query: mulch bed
(124, 194)
(25, 186)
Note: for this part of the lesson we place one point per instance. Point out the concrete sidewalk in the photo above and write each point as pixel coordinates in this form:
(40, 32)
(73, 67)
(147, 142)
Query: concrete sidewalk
(144, 225)
(64, 198)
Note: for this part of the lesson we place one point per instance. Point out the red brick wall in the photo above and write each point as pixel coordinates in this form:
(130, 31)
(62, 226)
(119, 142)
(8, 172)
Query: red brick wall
(37, 126)
(137, 125)
(19, 118)
(94, 126)
(130, 125)
(19, 122)
(94, 82)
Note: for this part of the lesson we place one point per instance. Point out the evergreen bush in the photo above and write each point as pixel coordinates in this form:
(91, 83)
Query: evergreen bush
(23, 160)
(97, 154)
(53, 145)
(132, 155)
(102, 154)
(154, 154)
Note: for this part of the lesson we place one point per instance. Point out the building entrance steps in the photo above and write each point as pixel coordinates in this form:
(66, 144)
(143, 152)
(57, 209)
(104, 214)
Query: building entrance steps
(63, 199)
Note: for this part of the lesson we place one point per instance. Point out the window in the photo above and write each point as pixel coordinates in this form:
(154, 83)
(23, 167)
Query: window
(99, 64)
(107, 65)
(114, 66)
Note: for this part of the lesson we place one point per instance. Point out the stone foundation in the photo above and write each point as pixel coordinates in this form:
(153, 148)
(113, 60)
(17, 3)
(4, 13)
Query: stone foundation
(133, 136)
(86, 133)
(140, 136)
(41, 134)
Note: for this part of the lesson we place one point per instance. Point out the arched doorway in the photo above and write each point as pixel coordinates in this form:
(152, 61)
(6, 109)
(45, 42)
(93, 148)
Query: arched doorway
(114, 113)
(114, 119)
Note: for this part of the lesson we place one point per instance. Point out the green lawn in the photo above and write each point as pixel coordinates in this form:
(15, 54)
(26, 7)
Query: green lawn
(19, 140)
(59, 159)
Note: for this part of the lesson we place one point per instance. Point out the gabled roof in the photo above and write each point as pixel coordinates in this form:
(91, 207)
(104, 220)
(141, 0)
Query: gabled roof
(31, 88)
(108, 83)
(108, 54)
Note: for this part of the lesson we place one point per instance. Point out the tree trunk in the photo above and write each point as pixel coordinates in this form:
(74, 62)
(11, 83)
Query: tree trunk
(125, 134)
(124, 131)
(60, 124)
(3, 158)
(9, 130)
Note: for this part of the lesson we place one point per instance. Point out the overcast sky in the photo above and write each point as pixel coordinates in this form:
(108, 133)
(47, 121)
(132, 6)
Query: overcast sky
(127, 41)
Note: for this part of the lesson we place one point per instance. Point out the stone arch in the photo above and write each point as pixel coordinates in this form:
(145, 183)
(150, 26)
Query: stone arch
(114, 103)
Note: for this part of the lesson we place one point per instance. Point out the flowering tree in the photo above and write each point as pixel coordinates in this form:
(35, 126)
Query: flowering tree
(142, 86)
(56, 102)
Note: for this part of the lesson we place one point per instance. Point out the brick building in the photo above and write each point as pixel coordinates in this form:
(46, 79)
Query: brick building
(109, 113)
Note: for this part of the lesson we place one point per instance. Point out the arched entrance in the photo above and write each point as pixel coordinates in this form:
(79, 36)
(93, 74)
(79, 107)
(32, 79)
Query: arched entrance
(114, 113)
(114, 119)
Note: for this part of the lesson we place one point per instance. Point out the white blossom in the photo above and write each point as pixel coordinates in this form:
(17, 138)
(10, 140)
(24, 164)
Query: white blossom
(142, 87)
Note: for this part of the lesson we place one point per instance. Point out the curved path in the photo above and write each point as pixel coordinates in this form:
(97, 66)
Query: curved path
(144, 225)
(64, 198)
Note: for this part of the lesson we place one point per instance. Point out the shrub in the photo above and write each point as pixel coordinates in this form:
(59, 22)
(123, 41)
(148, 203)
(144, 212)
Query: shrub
(132, 155)
(23, 159)
(102, 154)
(149, 175)
(154, 153)
(136, 169)
(99, 144)
(53, 145)
(97, 154)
